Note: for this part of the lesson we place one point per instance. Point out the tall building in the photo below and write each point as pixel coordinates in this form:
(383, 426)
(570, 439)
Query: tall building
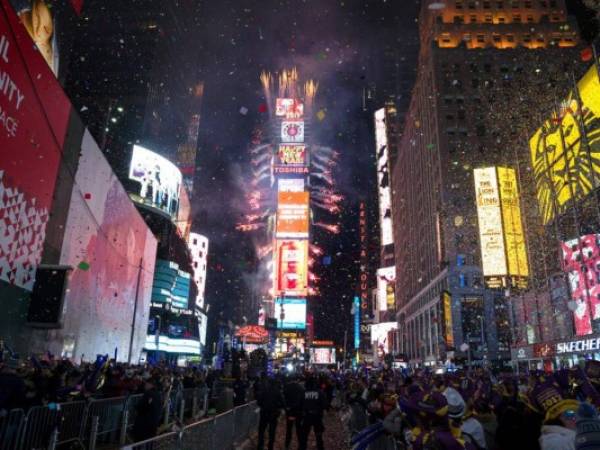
(474, 57)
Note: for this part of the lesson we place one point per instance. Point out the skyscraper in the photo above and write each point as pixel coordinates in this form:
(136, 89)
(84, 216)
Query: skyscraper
(475, 57)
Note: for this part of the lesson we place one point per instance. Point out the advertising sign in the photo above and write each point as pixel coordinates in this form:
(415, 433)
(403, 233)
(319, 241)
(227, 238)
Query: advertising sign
(290, 185)
(493, 253)
(291, 268)
(322, 355)
(292, 215)
(447, 312)
(171, 285)
(581, 261)
(356, 309)
(383, 179)
(290, 108)
(291, 155)
(294, 313)
(386, 288)
(160, 180)
(34, 114)
(292, 131)
(379, 335)
(565, 150)
(363, 261)
(514, 238)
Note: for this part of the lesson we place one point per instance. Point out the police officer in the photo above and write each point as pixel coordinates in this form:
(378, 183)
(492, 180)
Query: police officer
(293, 393)
(314, 405)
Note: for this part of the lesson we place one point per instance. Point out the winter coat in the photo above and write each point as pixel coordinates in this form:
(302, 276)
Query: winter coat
(473, 428)
(294, 398)
(555, 437)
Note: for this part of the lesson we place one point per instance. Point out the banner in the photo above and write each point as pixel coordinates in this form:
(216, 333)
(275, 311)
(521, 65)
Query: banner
(292, 215)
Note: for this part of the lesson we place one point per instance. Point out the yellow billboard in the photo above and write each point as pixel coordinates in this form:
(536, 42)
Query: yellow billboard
(447, 315)
(503, 250)
(565, 167)
(514, 238)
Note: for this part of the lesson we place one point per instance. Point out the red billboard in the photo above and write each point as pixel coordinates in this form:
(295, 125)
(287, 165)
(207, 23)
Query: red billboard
(291, 268)
(34, 114)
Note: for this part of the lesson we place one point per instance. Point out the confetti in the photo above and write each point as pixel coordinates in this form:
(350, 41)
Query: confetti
(83, 265)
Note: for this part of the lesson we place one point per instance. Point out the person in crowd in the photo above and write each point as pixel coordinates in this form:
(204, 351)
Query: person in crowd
(270, 401)
(240, 387)
(293, 393)
(315, 404)
(148, 411)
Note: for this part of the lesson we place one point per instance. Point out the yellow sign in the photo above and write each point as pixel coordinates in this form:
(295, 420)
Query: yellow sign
(514, 239)
(447, 305)
(564, 169)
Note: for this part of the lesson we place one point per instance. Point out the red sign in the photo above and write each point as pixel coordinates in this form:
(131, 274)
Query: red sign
(363, 260)
(34, 114)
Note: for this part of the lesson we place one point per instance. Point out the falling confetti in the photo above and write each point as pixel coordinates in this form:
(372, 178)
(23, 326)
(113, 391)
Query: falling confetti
(83, 265)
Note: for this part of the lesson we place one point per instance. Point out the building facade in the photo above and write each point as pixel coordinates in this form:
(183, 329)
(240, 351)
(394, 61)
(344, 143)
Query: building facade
(482, 66)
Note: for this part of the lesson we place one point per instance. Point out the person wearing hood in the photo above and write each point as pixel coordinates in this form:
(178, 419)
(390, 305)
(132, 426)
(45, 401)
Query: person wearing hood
(559, 428)
(470, 428)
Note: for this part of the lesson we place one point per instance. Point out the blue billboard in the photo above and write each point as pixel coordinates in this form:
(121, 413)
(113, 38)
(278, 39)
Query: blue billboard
(293, 311)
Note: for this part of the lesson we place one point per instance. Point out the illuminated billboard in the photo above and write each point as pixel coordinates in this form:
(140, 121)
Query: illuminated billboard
(292, 215)
(290, 185)
(322, 355)
(290, 108)
(291, 268)
(291, 155)
(386, 288)
(294, 313)
(292, 131)
(565, 150)
(160, 180)
(581, 261)
(447, 316)
(379, 335)
(383, 179)
(171, 285)
(503, 252)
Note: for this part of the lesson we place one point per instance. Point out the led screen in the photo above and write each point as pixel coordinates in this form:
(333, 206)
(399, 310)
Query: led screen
(379, 335)
(291, 268)
(171, 285)
(322, 355)
(386, 288)
(383, 179)
(291, 155)
(292, 131)
(581, 260)
(493, 254)
(290, 185)
(448, 323)
(292, 215)
(294, 311)
(160, 180)
(565, 167)
(290, 108)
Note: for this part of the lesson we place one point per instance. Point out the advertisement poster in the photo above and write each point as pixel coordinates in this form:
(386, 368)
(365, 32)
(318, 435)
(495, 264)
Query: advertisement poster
(493, 254)
(581, 261)
(291, 155)
(322, 355)
(290, 108)
(292, 131)
(448, 324)
(34, 115)
(292, 215)
(379, 335)
(294, 313)
(386, 288)
(383, 179)
(160, 180)
(356, 312)
(291, 268)
(516, 252)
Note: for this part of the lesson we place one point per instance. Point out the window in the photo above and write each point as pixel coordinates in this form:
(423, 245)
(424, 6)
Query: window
(473, 18)
(458, 19)
(487, 67)
(449, 117)
(480, 129)
(488, 18)
(467, 37)
(543, 4)
(195, 241)
(496, 38)
(510, 38)
(480, 38)
(195, 264)
(553, 3)
(527, 4)
(514, 5)
(460, 100)
(486, 5)
(471, 5)
(529, 19)
(541, 39)
(461, 114)
(527, 38)
(474, 82)
(459, 5)
(517, 18)
(500, 5)
(502, 19)
(448, 100)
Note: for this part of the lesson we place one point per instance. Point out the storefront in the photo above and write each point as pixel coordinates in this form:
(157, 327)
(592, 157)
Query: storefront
(556, 354)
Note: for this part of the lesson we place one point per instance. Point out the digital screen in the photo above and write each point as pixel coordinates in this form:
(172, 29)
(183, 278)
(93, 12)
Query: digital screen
(291, 268)
(292, 215)
(581, 261)
(356, 322)
(292, 131)
(291, 155)
(290, 108)
(294, 311)
(290, 185)
(562, 160)
(322, 355)
(379, 335)
(171, 285)
(493, 254)
(160, 180)
(383, 179)
(386, 288)
(447, 312)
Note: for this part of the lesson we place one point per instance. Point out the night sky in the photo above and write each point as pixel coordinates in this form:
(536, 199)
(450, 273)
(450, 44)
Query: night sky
(340, 45)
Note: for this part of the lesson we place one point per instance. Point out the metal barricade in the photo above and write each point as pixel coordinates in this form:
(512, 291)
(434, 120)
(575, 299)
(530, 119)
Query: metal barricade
(129, 416)
(104, 421)
(11, 424)
(188, 399)
(168, 441)
(62, 423)
(224, 430)
(241, 419)
(199, 435)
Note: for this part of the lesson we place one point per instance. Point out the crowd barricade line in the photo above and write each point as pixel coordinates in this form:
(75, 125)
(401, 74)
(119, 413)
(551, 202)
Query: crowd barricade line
(104, 421)
(167, 441)
(11, 425)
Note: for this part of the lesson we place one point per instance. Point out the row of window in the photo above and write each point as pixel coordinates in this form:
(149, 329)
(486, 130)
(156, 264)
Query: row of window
(514, 18)
(514, 4)
(511, 38)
